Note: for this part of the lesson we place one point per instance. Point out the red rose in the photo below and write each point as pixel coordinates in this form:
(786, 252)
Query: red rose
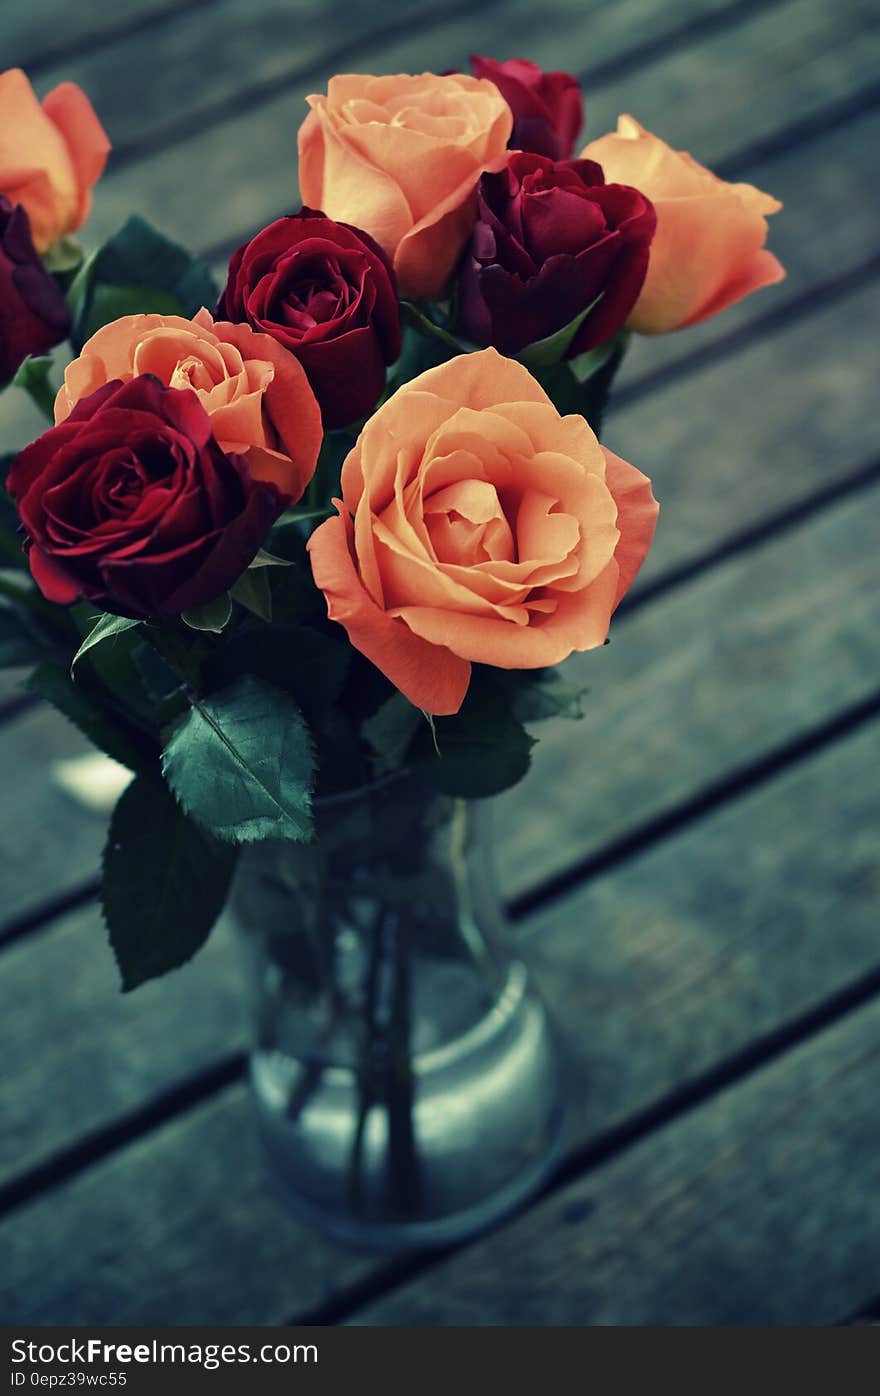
(548, 110)
(33, 312)
(549, 239)
(326, 292)
(130, 503)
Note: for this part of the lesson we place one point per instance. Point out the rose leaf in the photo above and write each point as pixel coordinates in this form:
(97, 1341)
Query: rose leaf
(241, 763)
(164, 882)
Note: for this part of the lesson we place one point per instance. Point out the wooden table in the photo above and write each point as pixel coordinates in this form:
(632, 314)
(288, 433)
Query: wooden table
(696, 864)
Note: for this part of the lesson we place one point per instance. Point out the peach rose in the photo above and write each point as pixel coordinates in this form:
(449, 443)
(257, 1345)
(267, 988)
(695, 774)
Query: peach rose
(477, 525)
(50, 155)
(708, 250)
(400, 157)
(255, 392)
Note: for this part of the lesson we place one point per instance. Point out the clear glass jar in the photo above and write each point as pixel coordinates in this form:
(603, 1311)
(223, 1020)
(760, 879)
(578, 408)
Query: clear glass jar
(407, 1080)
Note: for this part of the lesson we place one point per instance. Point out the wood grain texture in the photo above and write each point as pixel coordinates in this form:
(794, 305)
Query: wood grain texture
(48, 844)
(762, 1208)
(762, 648)
(106, 1052)
(250, 157)
(41, 28)
(145, 92)
(657, 971)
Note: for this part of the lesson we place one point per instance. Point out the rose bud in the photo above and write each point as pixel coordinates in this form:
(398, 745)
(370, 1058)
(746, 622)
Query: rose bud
(132, 505)
(400, 157)
(479, 526)
(256, 394)
(708, 252)
(549, 239)
(50, 155)
(326, 292)
(548, 109)
(33, 312)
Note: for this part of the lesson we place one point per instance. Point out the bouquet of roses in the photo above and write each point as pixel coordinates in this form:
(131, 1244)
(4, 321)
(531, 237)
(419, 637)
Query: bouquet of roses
(348, 516)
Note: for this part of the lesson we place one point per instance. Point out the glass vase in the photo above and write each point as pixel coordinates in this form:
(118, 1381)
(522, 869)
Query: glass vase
(407, 1079)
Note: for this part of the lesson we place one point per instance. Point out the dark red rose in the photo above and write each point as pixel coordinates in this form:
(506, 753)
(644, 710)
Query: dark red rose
(130, 503)
(325, 291)
(548, 110)
(549, 239)
(33, 312)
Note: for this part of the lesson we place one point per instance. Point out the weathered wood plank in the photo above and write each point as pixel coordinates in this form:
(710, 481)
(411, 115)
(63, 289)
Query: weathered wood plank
(657, 971)
(251, 156)
(41, 27)
(145, 89)
(47, 843)
(761, 1209)
(106, 1052)
(698, 685)
(827, 229)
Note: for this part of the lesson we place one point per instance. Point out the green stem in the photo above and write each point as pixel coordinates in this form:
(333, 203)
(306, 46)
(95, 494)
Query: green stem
(366, 1075)
(403, 1160)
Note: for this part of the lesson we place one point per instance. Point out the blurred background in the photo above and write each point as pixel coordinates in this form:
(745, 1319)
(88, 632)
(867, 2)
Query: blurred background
(696, 864)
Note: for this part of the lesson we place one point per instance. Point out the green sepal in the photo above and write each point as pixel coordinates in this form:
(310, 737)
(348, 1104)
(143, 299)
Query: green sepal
(213, 616)
(33, 374)
(544, 353)
(253, 592)
(104, 628)
(138, 270)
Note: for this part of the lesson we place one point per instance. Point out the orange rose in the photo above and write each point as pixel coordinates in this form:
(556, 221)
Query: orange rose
(708, 250)
(477, 524)
(255, 392)
(50, 155)
(400, 157)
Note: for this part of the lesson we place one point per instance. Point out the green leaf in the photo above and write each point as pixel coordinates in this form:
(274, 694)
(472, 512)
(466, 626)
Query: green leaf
(390, 732)
(584, 366)
(252, 591)
(63, 257)
(138, 269)
(165, 882)
(295, 598)
(33, 376)
(538, 694)
(105, 627)
(303, 513)
(588, 397)
(482, 749)
(108, 303)
(213, 616)
(161, 682)
(546, 352)
(241, 764)
(264, 559)
(305, 663)
(111, 734)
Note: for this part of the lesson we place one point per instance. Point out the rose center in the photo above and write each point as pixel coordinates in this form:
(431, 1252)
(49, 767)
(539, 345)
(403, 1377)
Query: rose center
(467, 525)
